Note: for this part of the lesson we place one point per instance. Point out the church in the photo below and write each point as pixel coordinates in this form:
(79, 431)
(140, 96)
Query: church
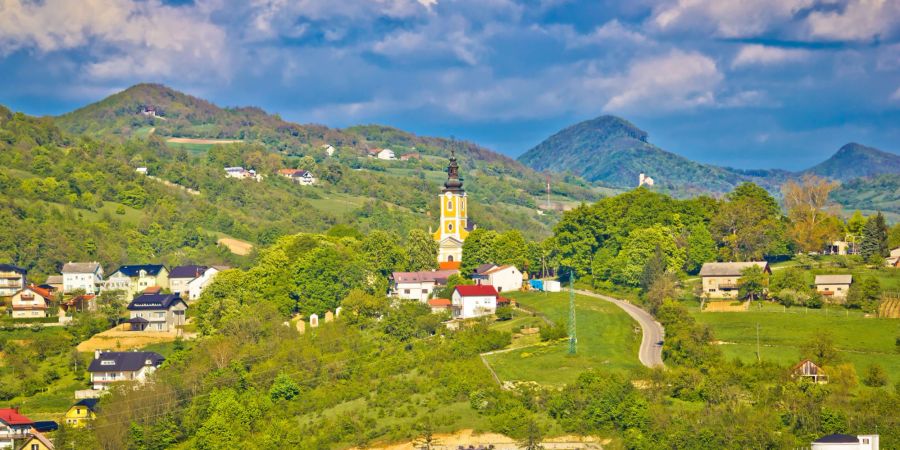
(454, 226)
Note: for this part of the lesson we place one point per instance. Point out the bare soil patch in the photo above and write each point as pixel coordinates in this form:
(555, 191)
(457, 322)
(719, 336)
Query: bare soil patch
(182, 140)
(120, 339)
(466, 438)
(236, 246)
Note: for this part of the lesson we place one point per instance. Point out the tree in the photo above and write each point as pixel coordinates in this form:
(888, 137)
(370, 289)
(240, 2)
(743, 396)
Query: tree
(360, 307)
(701, 248)
(864, 294)
(749, 225)
(533, 436)
(478, 248)
(894, 236)
(325, 276)
(421, 251)
(874, 244)
(504, 313)
(653, 269)
(284, 387)
(855, 224)
(812, 226)
(820, 349)
(510, 247)
(639, 248)
(426, 440)
(664, 287)
(876, 376)
(752, 283)
(383, 252)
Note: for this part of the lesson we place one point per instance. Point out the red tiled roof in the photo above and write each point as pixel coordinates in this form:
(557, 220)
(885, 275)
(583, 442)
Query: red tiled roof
(11, 416)
(479, 290)
(153, 290)
(41, 291)
(439, 302)
(503, 300)
(449, 265)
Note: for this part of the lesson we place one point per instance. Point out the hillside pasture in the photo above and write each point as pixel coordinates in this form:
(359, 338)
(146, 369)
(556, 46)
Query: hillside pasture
(607, 339)
(860, 340)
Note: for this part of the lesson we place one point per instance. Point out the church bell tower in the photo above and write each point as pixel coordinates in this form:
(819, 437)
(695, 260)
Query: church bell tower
(454, 226)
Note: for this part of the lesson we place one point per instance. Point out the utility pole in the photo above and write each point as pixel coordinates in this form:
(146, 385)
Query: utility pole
(758, 357)
(548, 192)
(573, 339)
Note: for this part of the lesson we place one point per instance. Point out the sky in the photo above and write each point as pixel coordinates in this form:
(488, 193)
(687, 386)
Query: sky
(741, 83)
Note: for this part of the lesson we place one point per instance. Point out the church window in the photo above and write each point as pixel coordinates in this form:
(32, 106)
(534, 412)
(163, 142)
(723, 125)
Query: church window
(449, 205)
(450, 227)
(450, 258)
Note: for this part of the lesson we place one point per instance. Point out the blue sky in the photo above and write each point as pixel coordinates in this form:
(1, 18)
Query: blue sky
(754, 84)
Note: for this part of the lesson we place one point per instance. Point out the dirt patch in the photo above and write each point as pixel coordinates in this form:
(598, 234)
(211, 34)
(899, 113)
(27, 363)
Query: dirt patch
(465, 438)
(119, 339)
(179, 140)
(726, 306)
(236, 246)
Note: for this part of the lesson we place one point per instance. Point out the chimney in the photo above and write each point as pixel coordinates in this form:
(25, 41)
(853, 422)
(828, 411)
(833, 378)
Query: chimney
(97, 354)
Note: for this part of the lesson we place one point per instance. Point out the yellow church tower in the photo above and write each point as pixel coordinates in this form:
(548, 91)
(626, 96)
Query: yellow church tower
(454, 225)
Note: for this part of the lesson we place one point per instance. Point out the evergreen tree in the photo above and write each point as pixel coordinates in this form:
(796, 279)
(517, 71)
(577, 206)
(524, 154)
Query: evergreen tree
(653, 269)
(874, 239)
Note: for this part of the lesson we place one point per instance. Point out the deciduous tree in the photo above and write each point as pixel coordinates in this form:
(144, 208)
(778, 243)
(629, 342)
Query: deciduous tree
(812, 224)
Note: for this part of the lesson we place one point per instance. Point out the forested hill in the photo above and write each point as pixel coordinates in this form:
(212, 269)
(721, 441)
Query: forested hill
(613, 151)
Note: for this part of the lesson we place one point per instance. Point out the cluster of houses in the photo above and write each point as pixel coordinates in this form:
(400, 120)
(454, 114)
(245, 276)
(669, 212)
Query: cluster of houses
(299, 176)
(243, 174)
(720, 280)
(150, 309)
(466, 301)
(387, 154)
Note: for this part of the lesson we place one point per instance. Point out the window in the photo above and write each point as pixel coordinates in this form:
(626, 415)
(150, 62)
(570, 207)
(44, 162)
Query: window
(450, 258)
(449, 205)
(406, 291)
(450, 226)
(35, 447)
(712, 290)
(107, 362)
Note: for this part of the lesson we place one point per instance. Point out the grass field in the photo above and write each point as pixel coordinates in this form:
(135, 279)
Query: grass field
(861, 340)
(607, 338)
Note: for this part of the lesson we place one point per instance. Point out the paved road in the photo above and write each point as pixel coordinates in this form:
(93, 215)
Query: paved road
(651, 352)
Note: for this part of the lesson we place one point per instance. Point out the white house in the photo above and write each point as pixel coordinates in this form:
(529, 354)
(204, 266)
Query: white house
(301, 177)
(86, 276)
(242, 173)
(473, 301)
(12, 279)
(644, 180)
(141, 170)
(13, 427)
(113, 367)
(386, 154)
(180, 276)
(834, 286)
(329, 150)
(418, 285)
(196, 286)
(846, 442)
(504, 278)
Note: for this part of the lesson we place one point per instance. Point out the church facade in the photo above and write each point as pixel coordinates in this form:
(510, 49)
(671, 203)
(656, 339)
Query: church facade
(454, 226)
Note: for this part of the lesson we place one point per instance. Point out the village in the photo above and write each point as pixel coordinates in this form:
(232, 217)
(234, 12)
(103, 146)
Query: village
(159, 299)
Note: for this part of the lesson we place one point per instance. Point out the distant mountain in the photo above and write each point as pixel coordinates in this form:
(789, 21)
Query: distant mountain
(855, 160)
(613, 151)
(879, 193)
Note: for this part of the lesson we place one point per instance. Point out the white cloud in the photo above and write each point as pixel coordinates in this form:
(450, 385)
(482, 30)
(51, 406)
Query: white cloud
(726, 18)
(896, 94)
(674, 81)
(125, 37)
(610, 32)
(858, 20)
(756, 54)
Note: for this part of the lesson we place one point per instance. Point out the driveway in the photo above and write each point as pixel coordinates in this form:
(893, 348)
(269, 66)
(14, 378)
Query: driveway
(651, 352)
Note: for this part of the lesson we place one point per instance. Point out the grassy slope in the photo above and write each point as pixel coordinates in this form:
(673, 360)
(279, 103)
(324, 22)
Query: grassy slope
(861, 341)
(606, 339)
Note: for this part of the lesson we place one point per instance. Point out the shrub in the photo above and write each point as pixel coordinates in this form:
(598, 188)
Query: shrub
(553, 332)
(504, 313)
(876, 376)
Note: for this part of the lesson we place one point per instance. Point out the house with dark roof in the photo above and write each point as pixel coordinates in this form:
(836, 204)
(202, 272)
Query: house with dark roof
(82, 276)
(116, 367)
(473, 301)
(81, 413)
(299, 176)
(156, 312)
(847, 442)
(720, 279)
(180, 276)
(135, 278)
(418, 285)
(13, 426)
(12, 279)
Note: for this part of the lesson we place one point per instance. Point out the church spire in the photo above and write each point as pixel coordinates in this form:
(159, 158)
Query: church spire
(453, 183)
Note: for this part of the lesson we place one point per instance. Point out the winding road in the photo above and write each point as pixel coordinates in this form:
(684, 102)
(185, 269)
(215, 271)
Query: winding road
(650, 353)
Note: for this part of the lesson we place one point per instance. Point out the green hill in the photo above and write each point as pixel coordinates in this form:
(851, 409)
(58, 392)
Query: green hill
(855, 160)
(880, 193)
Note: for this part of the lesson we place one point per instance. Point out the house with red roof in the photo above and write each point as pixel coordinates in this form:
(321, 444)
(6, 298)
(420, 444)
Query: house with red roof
(13, 426)
(31, 302)
(473, 301)
(439, 305)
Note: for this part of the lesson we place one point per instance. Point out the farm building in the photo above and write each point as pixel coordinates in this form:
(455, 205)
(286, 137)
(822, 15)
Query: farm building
(834, 286)
(720, 279)
(810, 370)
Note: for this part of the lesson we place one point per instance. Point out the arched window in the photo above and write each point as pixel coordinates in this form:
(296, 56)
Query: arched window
(450, 258)
(449, 205)
(449, 227)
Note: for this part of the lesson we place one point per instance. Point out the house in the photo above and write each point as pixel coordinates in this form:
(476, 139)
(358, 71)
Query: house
(156, 312)
(12, 279)
(841, 248)
(196, 286)
(439, 305)
(13, 426)
(846, 442)
(113, 367)
(82, 412)
(644, 180)
(84, 302)
(301, 177)
(329, 150)
(85, 276)
(418, 285)
(808, 369)
(505, 278)
(31, 302)
(55, 282)
(242, 174)
(141, 170)
(386, 154)
(135, 278)
(834, 286)
(473, 301)
(409, 156)
(36, 441)
(720, 279)
(894, 259)
(180, 276)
